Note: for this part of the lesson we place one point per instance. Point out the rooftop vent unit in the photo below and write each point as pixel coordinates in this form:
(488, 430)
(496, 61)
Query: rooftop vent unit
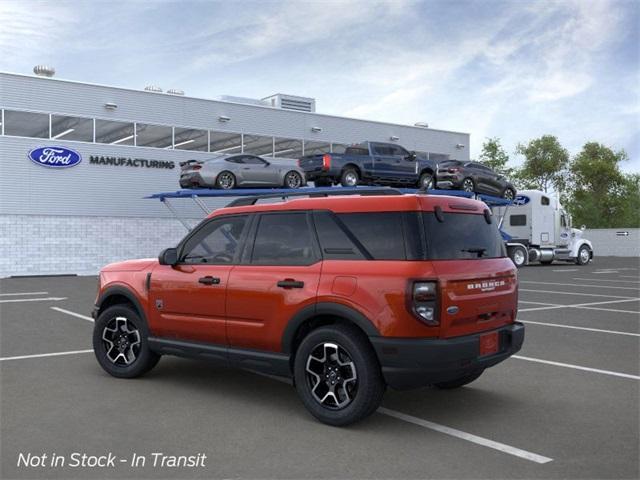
(421, 124)
(291, 102)
(153, 88)
(44, 71)
(175, 91)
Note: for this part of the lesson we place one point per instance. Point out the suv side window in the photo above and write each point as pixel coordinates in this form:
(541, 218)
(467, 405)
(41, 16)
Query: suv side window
(335, 242)
(381, 233)
(216, 242)
(283, 239)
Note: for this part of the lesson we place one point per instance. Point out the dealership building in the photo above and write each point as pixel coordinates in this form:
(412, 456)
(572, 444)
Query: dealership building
(126, 145)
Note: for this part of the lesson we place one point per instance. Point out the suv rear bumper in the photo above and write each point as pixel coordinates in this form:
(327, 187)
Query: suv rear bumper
(412, 363)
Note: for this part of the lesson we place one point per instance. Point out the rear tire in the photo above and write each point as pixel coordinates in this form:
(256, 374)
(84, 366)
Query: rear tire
(459, 382)
(340, 354)
(225, 180)
(468, 185)
(349, 178)
(120, 343)
(292, 180)
(518, 256)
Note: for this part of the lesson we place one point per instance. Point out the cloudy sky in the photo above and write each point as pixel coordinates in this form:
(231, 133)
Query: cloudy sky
(514, 69)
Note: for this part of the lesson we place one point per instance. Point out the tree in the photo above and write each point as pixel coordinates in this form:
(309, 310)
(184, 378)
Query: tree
(600, 195)
(494, 156)
(545, 163)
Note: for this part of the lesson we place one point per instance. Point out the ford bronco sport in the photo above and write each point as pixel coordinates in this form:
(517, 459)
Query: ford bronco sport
(345, 294)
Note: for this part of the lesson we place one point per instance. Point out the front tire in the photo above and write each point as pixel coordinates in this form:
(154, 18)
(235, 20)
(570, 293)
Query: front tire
(508, 194)
(426, 181)
(225, 180)
(459, 382)
(584, 255)
(292, 179)
(349, 178)
(337, 375)
(120, 343)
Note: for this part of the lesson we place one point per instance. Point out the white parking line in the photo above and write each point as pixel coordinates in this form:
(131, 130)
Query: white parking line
(73, 314)
(605, 272)
(574, 293)
(605, 280)
(588, 306)
(633, 312)
(48, 299)
(40, 355)
(582, 285)
(23, 293)
(577, 367)
(469, 437)
(628, 276)
(597, 330)
(541, 303)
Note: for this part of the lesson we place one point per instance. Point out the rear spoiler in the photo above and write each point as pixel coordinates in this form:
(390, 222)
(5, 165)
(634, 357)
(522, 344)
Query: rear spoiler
(188, 162)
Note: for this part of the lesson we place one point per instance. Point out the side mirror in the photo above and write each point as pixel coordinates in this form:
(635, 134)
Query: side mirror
(169, 256)
(412, 156)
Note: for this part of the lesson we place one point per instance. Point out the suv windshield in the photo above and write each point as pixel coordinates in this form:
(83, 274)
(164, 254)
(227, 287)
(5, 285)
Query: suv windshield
(461, 236)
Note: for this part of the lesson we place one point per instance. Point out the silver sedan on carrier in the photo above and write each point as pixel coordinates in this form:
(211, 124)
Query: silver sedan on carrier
(241, 170)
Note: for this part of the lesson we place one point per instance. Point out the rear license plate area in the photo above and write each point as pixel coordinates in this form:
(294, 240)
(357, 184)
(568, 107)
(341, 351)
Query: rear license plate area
(489, 344)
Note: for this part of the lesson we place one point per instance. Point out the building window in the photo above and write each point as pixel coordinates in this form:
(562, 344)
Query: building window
(315, 148)
(71, 128)
(287, 148)
(114, 133)
(190, 139)
(26, 124)
(225, 142)
(258, 145)
(157, 136)
(338, 147)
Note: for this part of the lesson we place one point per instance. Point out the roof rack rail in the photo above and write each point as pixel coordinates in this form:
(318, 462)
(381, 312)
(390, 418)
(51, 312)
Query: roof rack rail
(315, 192)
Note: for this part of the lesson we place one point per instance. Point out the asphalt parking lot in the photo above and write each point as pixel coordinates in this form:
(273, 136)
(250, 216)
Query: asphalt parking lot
(566, 407)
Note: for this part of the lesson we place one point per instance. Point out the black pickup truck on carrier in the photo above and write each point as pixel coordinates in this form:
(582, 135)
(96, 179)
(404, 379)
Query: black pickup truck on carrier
(370, 163)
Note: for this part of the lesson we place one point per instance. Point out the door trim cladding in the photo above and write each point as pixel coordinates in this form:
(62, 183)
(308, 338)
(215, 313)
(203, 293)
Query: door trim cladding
(325, 308)
(125, 292)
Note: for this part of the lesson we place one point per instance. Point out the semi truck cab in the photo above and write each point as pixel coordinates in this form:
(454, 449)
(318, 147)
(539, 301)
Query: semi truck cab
(539, 229)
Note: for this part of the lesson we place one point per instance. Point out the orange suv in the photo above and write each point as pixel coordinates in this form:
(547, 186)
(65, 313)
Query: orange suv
(346, 294)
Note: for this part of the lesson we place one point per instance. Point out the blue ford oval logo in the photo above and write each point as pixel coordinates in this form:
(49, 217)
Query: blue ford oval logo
(521, 200)
(55, 157)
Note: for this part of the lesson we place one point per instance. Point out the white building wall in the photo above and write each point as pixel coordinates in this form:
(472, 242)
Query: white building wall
(52, 245)
(611, 242)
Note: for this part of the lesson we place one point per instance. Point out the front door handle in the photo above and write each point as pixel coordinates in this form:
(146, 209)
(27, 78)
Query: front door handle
(209, 280)
(290, 283)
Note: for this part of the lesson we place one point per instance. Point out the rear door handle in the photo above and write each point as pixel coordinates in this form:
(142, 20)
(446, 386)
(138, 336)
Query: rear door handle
(209, 280)
(290, 283)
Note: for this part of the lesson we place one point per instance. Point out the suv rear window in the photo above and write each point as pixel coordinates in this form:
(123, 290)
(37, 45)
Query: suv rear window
(461, 236)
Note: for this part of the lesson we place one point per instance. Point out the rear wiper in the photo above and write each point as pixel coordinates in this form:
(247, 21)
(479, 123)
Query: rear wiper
(479, 250)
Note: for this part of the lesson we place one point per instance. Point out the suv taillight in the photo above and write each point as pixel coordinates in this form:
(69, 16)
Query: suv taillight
(424, 305)
(453, 170)
(326, 161)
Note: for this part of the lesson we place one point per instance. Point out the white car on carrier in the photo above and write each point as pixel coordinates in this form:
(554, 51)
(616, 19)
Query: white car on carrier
(541, 231)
